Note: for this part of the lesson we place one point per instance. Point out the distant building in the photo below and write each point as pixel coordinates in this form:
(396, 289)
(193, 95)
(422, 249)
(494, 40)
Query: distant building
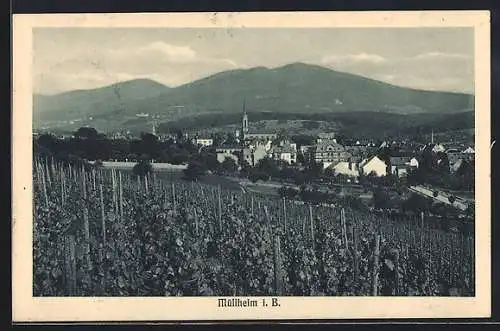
(228, 151)
(306, 148)
(438, 148)
(469, 150)
(374, 165)
(413, 162)
(328, 151)
(204, 141)
(254, 155)
(285, 151)
(350, 169)
(326, 136)
(399, 165)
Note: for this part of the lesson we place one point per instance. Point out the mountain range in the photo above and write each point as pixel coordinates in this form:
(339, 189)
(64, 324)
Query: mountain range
(294, 88)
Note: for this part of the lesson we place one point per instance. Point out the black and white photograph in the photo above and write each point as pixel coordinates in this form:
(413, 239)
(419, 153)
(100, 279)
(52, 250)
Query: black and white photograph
(252, 164)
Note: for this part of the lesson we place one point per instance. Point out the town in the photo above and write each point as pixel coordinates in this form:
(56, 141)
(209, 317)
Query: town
(319, 169)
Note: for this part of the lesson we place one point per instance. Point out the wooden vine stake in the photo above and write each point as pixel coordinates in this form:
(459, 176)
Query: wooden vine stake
(311, 219)
(70, 264)
(268, 223)
(356, 256)
(49, 182)
(44, 187)
(278, 272)
(376, 266)
(421, 232)
(120, 201)
(62, 187)
(86, 222)
(251, 206)
(219, 208)
(113, 180)
(103, 215)
(284, 213)
(344, 229)
(196, 221)
(397, 279)
(173, 195)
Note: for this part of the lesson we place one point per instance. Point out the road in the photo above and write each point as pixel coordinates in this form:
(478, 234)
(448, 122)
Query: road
(442, 196)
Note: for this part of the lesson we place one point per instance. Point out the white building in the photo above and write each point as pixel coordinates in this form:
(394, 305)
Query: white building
(375, 165)
(350, 169)
(204, 141)
(469, 150)
(254, 155)
(230, 152)
(285, 151)
(413, 162)
(438, 148)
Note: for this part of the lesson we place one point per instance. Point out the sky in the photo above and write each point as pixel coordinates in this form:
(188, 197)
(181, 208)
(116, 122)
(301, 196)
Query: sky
(83, 58)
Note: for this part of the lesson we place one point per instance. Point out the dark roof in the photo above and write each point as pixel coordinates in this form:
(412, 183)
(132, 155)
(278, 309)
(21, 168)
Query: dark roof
(229, 147)
(399, 160)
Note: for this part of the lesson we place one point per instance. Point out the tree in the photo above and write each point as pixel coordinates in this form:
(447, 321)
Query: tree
(268, 166)
(303, 140)
(443, 164)
(86, 133)
(329, 173)
(195, 170)
(314, 170)
(142, 168)
(47, 140)
(229, 166)
(299, 179)
(288, 192)
(230, 139)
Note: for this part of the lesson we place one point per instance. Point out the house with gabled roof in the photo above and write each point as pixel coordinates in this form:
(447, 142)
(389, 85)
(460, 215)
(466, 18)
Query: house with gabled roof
(285, 151)
(374, 165)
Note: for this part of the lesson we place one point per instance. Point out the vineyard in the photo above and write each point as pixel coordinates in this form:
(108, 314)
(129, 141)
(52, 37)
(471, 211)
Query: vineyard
(108, 233)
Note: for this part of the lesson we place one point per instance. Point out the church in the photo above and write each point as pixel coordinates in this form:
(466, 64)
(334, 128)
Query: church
(247, 135)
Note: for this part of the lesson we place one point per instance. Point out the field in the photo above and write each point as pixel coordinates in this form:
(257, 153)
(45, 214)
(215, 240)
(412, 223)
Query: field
(106, 233)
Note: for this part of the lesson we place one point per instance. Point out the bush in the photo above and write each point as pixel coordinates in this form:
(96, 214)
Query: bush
(256, 175)
(288, 192)
(194, 171)
(142, 168)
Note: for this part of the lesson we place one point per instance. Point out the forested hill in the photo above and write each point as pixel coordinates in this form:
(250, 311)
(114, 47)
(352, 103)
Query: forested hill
(294, 88)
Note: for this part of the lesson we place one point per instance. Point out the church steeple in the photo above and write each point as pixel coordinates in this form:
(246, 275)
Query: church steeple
(244, 124)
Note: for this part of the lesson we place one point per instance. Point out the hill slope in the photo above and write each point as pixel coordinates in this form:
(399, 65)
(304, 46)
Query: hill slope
(293, 88)
(97, 102)
(300, 87)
